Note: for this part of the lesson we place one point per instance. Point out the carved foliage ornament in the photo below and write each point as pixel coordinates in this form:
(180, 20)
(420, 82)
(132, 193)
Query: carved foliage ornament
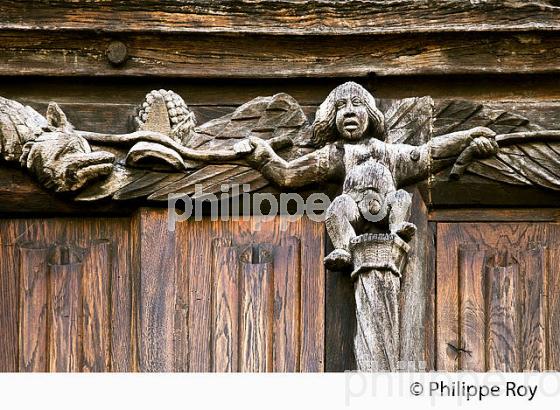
(373, 149)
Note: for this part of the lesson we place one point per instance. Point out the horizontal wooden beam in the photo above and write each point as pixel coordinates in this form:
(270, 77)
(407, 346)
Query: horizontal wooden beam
(281, 17)
(265, 56)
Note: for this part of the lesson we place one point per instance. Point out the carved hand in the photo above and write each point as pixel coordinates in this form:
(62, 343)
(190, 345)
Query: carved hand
(261, 152)
(483, 144)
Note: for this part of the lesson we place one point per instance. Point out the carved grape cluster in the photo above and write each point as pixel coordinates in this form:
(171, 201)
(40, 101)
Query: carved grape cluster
(182, 119)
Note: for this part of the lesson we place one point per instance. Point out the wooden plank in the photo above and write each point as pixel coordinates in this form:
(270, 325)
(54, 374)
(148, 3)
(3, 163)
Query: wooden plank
(256, 308)
(196, 235)
(447, 314)
(503, 341)
(202, 56)
(495, 215)
(65, 318)
(287, 305)
(552, 299)
(96, 339)
(412, 298)
(33, 273)
(156, 297)
(9, 296)
(533, 321)
(472, 308)
(312, 325)
(280, 17)
(225, 312)
(430, 347)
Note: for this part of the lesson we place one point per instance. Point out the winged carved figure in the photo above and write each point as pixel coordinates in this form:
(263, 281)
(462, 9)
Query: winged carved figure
(270, 140)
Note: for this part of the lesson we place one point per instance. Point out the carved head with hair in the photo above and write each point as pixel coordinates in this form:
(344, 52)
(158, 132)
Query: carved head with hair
(350, 112)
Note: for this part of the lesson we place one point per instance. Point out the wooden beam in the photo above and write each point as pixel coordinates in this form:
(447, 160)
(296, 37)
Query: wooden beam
(65, 53)
(281, 17)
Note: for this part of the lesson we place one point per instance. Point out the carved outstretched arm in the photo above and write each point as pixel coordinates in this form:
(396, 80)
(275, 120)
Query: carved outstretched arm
(413, 164)
(317, 166)
(151, 136)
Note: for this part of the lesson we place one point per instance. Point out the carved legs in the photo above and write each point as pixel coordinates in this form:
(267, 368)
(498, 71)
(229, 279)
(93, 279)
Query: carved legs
(399, 203)
(342, 217)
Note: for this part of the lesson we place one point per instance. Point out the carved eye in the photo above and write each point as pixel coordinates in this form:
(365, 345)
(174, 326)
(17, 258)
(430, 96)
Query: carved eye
(339, 104)
(356, 101)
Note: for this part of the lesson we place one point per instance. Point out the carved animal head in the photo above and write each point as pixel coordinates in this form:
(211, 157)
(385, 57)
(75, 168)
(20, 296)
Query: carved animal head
(61, 159)
(349, 112)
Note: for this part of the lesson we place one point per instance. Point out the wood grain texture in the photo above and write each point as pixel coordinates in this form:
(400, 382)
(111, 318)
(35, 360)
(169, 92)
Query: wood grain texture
(472, 314)
(33, 274)
(505, 281)
(281, 17)
(65, 318)
(156, 303)
(226, 304)
(63, 53)
(96, 321)
(256, 312)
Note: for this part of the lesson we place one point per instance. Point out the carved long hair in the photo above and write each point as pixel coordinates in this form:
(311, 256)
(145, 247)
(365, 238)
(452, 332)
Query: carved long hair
(324, 126)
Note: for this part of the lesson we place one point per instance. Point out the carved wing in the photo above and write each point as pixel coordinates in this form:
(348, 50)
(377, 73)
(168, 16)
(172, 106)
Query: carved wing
(279, 119)
(528, 161)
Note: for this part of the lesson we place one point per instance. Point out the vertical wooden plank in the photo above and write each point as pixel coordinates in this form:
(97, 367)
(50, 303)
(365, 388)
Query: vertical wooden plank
(33, 271)
(503, 344)
(118, 231)
(472, 308)
(64, 345)
(9, 296)
(287, 303)
(447, 314)
(96, 307)
(156, 300)
(312, 325)
(256, 307)
(225, 268)
(181, 319)
(200, 293)
(412, 298)
(430, 292)
(532, 320)
(553, 299)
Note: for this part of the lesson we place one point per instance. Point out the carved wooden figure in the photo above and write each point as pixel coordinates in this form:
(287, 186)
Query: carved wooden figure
(270, 140)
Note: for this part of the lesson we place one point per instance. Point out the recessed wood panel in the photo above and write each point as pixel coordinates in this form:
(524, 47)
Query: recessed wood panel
(252, 292)
(494, 286)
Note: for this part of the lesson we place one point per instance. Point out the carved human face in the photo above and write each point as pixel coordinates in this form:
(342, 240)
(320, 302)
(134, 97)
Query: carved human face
(351, 117)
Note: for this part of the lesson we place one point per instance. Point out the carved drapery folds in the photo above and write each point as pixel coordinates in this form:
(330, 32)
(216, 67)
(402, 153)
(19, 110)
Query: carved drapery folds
(373, 150)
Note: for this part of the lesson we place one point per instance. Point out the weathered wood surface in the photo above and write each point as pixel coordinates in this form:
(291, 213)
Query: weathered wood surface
(493, 289)
(281, 17)
(73, 311)
(240, 297)
(264, 56)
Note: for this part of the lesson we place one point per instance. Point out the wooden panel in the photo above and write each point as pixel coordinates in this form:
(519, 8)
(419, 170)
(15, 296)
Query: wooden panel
(447, 314)
(503, 321)
(96, 335)
(472, 308)
(287, 310)
(65, 319)
(281, 17)
(75, 298)
(156, 302)
(202, 56)
(225, 264)
(256, 310)
(33, 272)
(552, 286)
(500, 320)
